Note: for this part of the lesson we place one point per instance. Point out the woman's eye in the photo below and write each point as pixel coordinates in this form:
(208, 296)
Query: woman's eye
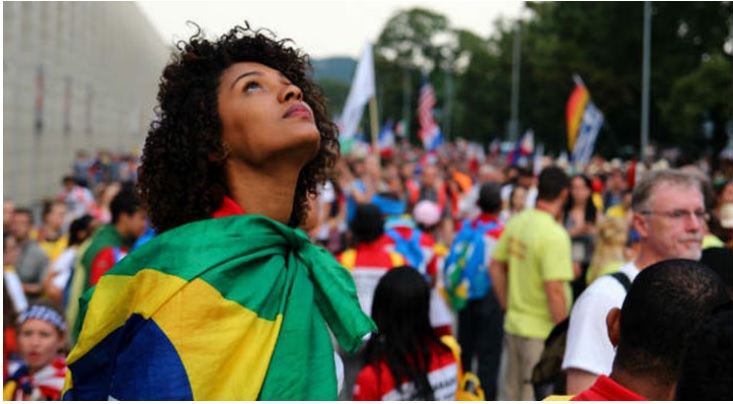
(252, 85)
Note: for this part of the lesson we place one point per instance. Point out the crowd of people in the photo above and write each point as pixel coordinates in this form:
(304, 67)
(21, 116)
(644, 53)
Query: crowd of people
(243, 242)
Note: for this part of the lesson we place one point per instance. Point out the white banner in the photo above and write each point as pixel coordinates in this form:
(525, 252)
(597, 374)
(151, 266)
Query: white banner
(362, 89)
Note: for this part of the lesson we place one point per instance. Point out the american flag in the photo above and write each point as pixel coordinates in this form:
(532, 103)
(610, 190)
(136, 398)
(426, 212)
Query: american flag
(429, 131)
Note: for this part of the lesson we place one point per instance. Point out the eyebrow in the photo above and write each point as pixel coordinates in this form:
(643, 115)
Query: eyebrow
(254, 72)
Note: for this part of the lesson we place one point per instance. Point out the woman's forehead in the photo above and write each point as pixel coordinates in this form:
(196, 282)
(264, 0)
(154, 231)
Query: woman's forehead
(37, 323)
(236, 70)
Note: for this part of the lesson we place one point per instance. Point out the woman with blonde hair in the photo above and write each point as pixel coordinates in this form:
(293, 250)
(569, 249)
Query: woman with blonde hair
(608, 254)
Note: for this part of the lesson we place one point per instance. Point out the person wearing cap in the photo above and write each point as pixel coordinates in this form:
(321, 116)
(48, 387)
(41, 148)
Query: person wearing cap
(41, 339)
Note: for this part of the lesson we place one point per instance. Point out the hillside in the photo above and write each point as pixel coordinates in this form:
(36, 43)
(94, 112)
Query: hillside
(336, 68)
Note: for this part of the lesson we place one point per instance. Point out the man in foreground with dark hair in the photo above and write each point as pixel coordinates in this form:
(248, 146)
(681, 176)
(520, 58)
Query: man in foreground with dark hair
(707, 365)
(665, 305)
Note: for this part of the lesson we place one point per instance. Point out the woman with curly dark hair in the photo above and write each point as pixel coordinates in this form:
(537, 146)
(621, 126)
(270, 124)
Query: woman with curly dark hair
(230, 301)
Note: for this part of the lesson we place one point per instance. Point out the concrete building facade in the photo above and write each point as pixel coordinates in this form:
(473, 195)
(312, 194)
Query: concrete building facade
(76, 76)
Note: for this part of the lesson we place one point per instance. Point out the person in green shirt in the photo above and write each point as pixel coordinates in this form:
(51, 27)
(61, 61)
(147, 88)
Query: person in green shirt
(531, 272)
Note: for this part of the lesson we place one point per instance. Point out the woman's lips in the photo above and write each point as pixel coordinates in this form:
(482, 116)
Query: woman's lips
(298, 111)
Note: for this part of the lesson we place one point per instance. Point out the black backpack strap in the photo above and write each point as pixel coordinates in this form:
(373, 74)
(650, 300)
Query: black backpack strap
(622, 279)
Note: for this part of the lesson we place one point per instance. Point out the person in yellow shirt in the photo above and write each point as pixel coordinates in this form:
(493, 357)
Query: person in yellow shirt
(531, 270)
(623, 209)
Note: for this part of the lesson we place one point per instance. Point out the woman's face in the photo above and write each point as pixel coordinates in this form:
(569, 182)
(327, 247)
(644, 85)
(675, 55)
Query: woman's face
(519, 199)
(263, 116)
(579, 189)
(40, 343)
(726, 194)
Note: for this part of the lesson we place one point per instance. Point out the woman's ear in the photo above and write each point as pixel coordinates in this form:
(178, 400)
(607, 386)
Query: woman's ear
(613, 323)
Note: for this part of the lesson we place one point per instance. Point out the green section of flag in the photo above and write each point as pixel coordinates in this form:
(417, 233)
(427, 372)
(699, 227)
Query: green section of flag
(270, 269)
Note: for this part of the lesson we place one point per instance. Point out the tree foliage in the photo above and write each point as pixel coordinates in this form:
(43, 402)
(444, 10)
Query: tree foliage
(602, 42)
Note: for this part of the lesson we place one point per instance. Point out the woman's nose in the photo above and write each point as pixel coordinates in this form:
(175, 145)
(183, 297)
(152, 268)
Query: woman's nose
(291, 92)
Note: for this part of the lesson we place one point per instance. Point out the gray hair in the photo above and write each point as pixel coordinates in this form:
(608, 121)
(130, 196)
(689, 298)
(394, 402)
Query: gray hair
(654, 179)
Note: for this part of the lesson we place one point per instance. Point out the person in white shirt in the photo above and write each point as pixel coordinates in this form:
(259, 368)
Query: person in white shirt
(669, 216)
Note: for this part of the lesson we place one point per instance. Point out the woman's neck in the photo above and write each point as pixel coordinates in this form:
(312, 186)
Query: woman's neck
(269, 193)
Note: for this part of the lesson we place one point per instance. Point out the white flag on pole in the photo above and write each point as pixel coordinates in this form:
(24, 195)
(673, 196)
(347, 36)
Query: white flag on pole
(362, 89)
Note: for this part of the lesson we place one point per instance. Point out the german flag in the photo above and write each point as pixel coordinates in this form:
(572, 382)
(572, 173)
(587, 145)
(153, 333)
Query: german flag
(233, 308)
(574, 112)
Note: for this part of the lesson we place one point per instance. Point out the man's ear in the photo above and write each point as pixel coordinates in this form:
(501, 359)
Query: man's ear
(613, 324)
(639, 222)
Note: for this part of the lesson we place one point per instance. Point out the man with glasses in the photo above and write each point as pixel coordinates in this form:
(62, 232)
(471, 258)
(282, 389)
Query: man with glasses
(669, 216)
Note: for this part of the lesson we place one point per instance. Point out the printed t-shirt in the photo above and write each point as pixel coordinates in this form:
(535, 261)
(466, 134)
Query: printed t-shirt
(536, 249)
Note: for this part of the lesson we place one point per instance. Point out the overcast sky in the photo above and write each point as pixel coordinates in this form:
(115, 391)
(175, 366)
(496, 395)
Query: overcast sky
(321, 28)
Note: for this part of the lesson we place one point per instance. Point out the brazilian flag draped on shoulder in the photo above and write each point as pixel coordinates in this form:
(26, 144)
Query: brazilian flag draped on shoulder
(234, 308)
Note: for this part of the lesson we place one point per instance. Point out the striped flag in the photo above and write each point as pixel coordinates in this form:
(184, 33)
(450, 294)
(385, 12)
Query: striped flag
(583, 121)
(429, 132)
(387, 137)
(587, 134)
(523, 148)
(237, 308)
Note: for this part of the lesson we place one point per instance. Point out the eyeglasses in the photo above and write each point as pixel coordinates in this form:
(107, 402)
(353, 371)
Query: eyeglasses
(679, 214)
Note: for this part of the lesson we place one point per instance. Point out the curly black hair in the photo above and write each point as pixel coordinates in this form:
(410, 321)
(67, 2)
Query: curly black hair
(181, 176)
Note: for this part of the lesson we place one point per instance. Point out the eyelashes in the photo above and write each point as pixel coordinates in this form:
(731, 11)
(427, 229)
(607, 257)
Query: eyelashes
(255, 85)
(251, 86)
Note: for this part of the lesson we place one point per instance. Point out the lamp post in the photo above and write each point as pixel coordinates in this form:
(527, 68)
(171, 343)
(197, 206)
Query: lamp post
(645, 80)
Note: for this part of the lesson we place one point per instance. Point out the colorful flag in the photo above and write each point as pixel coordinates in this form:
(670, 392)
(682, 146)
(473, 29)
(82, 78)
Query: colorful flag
(583, 121)
(387, 137)
(495, 147)
(234, 308)
(523, 148)
(587, 134)
(429, 132)
(399, 129)
(362, 89)
(574, 112)
(526, 144)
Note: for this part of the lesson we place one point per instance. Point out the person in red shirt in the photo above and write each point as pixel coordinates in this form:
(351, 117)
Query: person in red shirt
(405, 359)
(372, 256)
(665, 305)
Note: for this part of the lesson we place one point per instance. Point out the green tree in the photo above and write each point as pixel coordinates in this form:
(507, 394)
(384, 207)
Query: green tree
(706, 93)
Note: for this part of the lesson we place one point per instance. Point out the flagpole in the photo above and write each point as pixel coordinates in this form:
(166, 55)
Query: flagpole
(374, 124)
(578, 80)
(516, 61)
(645, 81)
